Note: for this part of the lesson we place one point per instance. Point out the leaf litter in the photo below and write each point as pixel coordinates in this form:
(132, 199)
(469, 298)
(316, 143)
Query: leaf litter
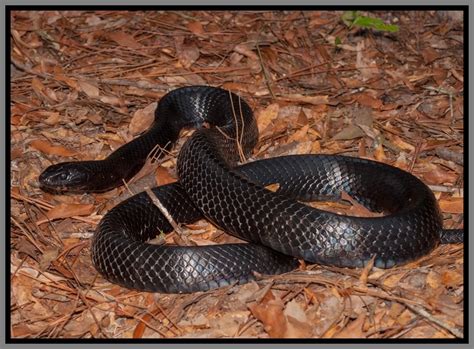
(84, 83)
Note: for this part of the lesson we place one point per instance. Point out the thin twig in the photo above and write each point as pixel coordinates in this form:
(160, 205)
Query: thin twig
(439, 322)
(264, 70)
(166, 213)
(445, 189)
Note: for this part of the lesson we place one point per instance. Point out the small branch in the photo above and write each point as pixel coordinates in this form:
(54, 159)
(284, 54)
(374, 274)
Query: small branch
(167, 215)
(450, 155)
(267, 80)
(425, 314)
(445, 189)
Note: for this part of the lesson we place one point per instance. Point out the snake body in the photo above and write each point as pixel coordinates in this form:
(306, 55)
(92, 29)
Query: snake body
(278, 226)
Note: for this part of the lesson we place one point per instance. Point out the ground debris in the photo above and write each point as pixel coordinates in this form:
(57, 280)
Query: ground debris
(85, 82)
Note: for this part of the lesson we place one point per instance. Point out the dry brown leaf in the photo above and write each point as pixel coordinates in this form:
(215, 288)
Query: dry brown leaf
(434, 174)
(163, 176)
(353, 329)
(433, 279)
(402, 144)
(141, 326)
(37, 86)
(24, 245)
(395, 310)
(49, 255)
(246, 49)
(124, 39)
(273, 187)
(84, 323)
(270, 313)
(367, 100)
(267, 116)
(47, 148)
(367, 67)
(113, 100)
(299, 135)
(68, 210)
(16, 152)
(379, 153)
(358, 209)
(188, 53)
(452, 278)
(142, 119)
(393, 280)
(89, 89)
(315, 100)
(452, 205)
(349, 132)
(196, 28)
(429, 55)
(364, 275)
(52, 118)
(297, 329)
(405, 317)
(69, 81)
(297, 321)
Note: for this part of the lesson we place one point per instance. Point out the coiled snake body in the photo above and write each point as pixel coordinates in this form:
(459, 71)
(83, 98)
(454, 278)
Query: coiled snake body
(235, 199)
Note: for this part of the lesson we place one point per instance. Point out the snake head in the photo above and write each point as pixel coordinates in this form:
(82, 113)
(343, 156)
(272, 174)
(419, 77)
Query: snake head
(66, 177)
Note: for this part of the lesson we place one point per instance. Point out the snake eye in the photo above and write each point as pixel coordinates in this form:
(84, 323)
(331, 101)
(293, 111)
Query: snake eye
(63, 176)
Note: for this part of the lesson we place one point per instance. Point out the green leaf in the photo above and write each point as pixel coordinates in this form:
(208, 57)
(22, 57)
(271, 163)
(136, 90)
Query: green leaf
(375, 23)
(352, 18)
(337, 41)
(348, 17)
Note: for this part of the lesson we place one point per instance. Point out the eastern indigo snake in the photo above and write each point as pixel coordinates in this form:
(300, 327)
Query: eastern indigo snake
(234, 198)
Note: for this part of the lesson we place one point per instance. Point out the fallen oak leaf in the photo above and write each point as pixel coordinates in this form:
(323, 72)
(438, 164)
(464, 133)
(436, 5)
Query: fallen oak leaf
(358, 209)
(270, 312)
(452, 205)
(142, 119)
(196, 28)
(298, 325)
(89, 89)
(266, 116)
(353, 329)
(314, 100)
(163, 176)
(299, 135)
(368, 100)
(187, 54)
(125, 40)
(273, 187)
(67, 210)
(47, 148)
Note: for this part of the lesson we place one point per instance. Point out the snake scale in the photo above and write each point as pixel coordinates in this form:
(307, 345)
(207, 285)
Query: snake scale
(278, 225)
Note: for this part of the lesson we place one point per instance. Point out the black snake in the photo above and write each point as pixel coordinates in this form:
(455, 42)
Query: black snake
(234, 198)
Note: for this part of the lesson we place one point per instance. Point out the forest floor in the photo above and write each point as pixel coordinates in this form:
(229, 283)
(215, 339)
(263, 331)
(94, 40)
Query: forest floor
(83, 83)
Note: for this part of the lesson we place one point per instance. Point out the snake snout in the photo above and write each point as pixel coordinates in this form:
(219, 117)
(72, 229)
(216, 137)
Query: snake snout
(67, 176)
